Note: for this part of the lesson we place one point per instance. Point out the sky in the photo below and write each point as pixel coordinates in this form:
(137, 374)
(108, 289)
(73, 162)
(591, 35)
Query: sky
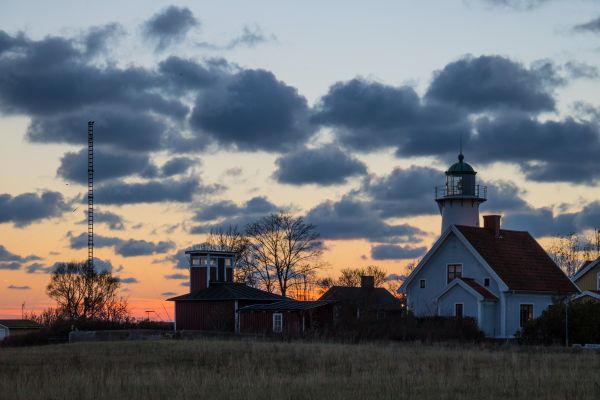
(346, 113)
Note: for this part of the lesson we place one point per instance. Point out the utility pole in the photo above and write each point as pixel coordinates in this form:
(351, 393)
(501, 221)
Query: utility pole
(90, 194)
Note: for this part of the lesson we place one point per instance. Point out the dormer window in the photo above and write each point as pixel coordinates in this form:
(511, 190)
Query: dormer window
(454, 271)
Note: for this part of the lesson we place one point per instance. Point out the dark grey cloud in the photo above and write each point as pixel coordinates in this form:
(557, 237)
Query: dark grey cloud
(581, 70)
(168, 293)
(494, 82)
(353, 219)
(404, 192)
(10, 265)
(178, 165)
(250, 37)
(185, 74)
(108, 164)
(327, 165)
(368, 116)
(227, 213)
(27, 208)
(96, 40)
(128, 280)
(17, 287)
(253, 111)
(174, 190)
(395, 252)
(169, 26)
(114, 221)
(550, 151)
(178, 259)
(123, 247)
(6, 255)
(504, 196)
(38, 268)
(177, 276)
(592, 26)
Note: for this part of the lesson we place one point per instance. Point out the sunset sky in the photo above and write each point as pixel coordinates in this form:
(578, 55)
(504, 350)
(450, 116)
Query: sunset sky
(344, 112)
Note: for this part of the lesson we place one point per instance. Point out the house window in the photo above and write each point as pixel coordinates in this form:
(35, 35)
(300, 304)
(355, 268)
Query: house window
(486, 282)
(598, 281)
(458, 310)
(277, 322)
(454, 271)
(422, 284)
(526, 314)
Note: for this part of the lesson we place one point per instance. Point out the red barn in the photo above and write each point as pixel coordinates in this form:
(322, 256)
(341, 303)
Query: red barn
(214, 298)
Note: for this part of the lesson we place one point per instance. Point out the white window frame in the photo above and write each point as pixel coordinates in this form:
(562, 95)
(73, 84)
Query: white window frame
(462, 271)
(277, 327)
(463, 309)
(422, 283)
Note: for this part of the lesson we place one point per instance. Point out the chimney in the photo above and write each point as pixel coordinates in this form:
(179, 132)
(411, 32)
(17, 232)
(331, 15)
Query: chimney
(492, 223)
(367, 282)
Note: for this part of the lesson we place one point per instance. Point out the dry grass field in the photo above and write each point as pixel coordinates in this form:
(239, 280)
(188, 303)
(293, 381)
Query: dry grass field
(232, 369)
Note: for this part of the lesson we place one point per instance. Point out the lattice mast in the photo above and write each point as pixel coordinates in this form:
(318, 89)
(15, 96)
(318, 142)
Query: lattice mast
(90, 194)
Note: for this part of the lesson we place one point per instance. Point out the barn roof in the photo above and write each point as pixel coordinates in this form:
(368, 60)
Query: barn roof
(378, 298)
(20, 324)
(286, 305)
(227, 291)
(518, 259)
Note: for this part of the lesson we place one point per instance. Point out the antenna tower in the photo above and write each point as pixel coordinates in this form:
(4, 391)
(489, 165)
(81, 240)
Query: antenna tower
(90, 194)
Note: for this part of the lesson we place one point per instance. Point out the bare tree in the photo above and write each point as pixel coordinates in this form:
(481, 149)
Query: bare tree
(571, 250)
(352, 276)
(83, 293)
(282, 248)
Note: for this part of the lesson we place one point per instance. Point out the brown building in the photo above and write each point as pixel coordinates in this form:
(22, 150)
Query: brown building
(11, 327)
(287, 317)
(361, 303)
(214, 298)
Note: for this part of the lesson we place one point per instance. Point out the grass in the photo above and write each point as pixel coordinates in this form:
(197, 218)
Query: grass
(236, 369)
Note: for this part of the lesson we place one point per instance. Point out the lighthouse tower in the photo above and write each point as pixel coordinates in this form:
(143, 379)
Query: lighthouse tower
(459, 199)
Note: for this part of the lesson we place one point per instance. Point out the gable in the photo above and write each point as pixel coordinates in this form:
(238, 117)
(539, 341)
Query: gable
(587, 277)
(450, 248)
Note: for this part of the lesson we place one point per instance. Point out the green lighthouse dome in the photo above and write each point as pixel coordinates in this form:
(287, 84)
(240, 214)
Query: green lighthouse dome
(460, 167)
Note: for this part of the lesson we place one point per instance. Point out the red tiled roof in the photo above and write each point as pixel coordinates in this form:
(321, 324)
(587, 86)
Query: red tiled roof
(519, 260)
(480, 289)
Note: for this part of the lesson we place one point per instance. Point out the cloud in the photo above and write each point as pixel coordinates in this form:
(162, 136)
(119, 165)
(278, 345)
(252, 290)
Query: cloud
(128, 280)
(16, 287)
(27, 208)
(97, 38)
(394, 252)
(99, 264)
(9, 265)
(327, 165)
(6, 255)
(404, 192)
(107, 165)
(367, 116)
(228, 213)
(492, 83)
(592, 26)
(168, 293)
(123, 247)
(581, 70)
(549, 151)
(155, 191)
(177, 276)
(178, 259)
(169, 26)
(504, 196)
(186, 74)
(253, 111)
(519, 5)
(178, 165)
(250, 37)
(353, 219)
(38, 267)
(114, 221)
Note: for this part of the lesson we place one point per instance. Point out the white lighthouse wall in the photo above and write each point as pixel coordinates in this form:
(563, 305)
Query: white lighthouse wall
(460, 212)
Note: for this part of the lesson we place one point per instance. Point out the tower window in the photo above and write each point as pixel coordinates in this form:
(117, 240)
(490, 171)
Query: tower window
(422, 283)
(454, 271)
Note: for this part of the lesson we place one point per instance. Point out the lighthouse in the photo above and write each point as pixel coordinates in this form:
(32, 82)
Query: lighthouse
(459, 199)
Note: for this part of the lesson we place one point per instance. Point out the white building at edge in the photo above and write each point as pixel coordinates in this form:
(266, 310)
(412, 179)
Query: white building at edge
(501, 278)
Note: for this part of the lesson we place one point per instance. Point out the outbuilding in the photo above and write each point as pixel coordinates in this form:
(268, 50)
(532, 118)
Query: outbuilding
(11, 327)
